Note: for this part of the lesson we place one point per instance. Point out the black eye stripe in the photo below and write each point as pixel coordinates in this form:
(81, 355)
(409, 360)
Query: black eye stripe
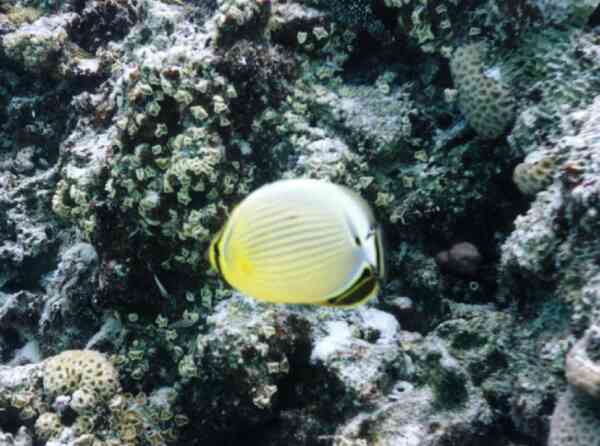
(359, 291)
(379, 253)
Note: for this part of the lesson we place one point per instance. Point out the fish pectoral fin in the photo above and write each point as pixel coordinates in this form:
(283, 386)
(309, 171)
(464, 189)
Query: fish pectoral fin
(359, 292)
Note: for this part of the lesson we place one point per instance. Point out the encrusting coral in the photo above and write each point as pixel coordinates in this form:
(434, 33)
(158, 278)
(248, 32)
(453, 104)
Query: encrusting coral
(88, 376)
(534, 175)
(484, 99)
(48, 425)
(191, 106)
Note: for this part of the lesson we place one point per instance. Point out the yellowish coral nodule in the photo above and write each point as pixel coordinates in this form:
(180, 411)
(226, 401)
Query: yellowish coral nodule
(535, 175)
(87, 375)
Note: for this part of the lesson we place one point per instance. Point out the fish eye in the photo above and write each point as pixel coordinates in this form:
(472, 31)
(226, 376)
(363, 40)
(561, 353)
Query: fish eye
(357, 240)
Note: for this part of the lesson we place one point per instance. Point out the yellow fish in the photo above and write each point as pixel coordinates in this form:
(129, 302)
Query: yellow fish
(301, 241)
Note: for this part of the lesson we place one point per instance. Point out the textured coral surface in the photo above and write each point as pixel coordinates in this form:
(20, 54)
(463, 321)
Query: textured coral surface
(129, 130)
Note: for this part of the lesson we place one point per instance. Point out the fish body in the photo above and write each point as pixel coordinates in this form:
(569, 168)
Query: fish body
(301, 241)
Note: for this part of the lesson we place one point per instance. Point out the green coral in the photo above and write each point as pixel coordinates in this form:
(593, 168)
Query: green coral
(46, 5)
(168, 177)
(486, 102)
(430, 24)
(355, 15)
(435, 26)
(554, 69)
(237, 19)
(37, 48)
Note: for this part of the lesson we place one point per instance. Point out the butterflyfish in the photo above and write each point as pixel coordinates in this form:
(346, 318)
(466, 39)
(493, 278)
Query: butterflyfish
(301, 241)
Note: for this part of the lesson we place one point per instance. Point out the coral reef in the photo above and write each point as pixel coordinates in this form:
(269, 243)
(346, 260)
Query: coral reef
(85, 375)
(534, 175)
(84, 382)
(129, 129)
(552, 241)
(356, 15)
(461, 258)
(575, 420)
(486, 102)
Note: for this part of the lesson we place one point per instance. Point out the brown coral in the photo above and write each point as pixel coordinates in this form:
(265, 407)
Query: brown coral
(463, 258)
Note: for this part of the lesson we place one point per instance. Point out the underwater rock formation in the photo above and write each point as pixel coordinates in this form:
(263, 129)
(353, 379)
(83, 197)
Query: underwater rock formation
(575, 420)
(129, 129)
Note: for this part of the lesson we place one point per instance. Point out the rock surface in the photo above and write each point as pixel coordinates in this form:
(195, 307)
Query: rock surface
(130, 128)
